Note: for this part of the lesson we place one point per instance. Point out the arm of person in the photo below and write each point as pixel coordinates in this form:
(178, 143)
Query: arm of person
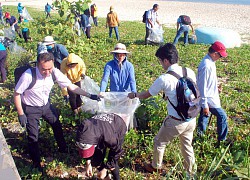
(89, 172)
(203, 75)
(191, 28)
(132, 79)
(105, 78)
(18, 103)
(141, 95)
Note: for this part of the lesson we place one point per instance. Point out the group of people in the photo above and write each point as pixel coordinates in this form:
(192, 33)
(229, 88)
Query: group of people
(152, 21)
(100, 132)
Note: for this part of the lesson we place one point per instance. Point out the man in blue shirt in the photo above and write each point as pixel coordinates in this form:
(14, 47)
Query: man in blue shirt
(58, 50)
(209, 91)
(182, 27)
(47, 10)
(120, 72)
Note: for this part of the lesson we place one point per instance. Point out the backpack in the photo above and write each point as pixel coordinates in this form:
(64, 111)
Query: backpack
(20, 70)
(188, 96)
(185, 19)
(144, 17)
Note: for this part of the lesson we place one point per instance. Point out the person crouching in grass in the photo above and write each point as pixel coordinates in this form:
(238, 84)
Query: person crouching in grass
(24, 24)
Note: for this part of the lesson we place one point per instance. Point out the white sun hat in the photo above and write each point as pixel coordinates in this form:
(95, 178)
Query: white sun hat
(48, 40)
(120, 48)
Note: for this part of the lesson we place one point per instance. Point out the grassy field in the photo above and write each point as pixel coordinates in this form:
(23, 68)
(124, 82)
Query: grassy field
(224, 163)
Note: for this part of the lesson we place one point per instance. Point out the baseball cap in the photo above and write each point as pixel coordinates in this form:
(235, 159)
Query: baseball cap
(85, 150)
(7, 15)
(220, 48)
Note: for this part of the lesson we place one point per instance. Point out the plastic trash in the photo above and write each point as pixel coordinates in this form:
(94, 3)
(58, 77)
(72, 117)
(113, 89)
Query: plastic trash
(156, 35)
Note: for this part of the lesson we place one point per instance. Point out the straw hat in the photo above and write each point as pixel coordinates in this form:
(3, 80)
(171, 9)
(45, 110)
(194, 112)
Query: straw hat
(120, 48)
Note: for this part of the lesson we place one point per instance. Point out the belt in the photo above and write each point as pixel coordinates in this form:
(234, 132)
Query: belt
(175, 118)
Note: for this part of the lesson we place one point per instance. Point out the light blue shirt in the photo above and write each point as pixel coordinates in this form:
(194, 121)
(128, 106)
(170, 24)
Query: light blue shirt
(121, 79)
(208, 84)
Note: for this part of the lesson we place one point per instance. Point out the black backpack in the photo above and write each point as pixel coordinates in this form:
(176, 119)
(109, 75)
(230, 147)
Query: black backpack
(20, 70)
(188, 96)
(144, 17)
(185, 19)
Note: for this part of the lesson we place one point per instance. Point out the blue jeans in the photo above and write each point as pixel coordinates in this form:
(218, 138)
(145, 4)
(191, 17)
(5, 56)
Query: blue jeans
(222, 129)
(183, 29)
(116, 32)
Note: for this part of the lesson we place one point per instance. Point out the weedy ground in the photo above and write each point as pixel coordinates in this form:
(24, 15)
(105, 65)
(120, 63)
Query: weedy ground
(227, 162)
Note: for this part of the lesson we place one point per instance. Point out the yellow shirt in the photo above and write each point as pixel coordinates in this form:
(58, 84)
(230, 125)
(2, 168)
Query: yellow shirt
(74, 74)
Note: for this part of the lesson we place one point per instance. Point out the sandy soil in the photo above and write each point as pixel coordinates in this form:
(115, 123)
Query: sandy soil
(235, 17)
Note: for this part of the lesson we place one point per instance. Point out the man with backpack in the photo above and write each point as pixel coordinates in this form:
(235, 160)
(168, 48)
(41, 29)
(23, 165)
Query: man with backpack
(183, 24)
(32, 103)
(151, 20)
(174, 125)
(209, 89)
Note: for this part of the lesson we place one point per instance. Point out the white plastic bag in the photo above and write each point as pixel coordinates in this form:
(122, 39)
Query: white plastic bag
(120, 104)
(26, 15)
(9, 33)
(14, 48)
(77, 28)
(156, 35)
(90, 86)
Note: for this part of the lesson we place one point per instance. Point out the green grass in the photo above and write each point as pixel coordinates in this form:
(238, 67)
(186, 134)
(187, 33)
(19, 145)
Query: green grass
(227, 162)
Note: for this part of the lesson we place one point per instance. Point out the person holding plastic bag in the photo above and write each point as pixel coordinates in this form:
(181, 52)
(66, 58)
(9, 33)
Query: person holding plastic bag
(24, 24)
(94, 137)
(119, 71)
(12, 21)
(74, 68)
(151, 21)
(48, 8)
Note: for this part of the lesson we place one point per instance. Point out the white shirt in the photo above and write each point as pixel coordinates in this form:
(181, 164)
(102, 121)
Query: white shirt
(152, 15)
(167, 83)
(38, 95)
(208, 84)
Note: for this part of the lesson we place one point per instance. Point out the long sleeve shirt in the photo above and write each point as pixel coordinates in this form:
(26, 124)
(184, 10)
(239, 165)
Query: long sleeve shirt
(121, 78)
(112, 19)
(208, 84)
(105, 131)
(73, 74)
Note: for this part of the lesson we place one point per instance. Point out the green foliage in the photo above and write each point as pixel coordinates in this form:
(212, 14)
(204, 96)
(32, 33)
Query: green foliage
(227, 162)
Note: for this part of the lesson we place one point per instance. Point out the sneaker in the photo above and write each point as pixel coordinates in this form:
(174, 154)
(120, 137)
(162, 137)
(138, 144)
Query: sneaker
(151, 169)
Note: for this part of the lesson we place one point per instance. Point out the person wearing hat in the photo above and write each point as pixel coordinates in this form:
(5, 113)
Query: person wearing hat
(12, 21)
(97, 134)
(113, 22)
(33, 104)
(119, 71)
(74, 68)
(20, 9)
(58, 50)
(209, 90)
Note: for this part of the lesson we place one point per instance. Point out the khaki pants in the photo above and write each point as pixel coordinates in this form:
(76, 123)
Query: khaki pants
(169, 130)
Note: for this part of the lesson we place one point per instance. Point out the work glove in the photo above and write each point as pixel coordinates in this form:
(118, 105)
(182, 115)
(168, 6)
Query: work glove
(95, 97)
(66, 99)
(22, 120)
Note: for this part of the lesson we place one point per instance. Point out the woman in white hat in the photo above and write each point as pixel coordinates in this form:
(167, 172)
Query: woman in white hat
(120, 72)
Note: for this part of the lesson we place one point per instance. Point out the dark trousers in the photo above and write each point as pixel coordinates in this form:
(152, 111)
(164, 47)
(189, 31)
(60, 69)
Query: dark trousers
(75, 100)
(18, 30)
(48, 15)
(26, 35)
(87, 31)
(3, 56)
(97, 160)
(147, 34)
(50, 115)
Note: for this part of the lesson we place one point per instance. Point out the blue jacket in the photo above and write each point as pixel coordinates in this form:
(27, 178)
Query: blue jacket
(60, 52)
(121, 79)
(20, 8)
(47, 8)
(85, 21)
